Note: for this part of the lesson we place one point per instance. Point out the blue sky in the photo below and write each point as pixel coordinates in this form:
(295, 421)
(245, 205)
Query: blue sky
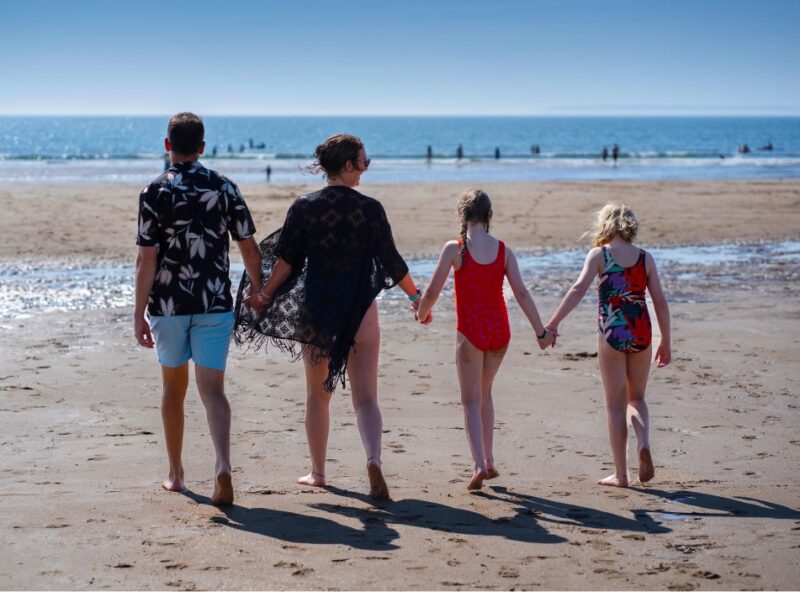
(407, 58)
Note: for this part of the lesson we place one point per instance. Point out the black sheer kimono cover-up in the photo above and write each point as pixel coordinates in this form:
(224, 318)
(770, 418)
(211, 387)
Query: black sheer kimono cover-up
(340, 246)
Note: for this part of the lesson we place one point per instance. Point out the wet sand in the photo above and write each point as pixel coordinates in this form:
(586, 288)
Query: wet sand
(83, 450)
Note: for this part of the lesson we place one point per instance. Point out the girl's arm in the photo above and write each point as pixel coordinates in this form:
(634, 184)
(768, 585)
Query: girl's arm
(664, 351)
(524, 299)
(447, 259)
(577, 291)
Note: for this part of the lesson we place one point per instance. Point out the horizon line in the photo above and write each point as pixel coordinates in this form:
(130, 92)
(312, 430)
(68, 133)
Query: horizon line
(461, 115)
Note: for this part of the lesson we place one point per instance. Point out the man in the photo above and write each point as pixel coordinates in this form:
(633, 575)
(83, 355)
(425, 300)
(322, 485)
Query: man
(182, 280)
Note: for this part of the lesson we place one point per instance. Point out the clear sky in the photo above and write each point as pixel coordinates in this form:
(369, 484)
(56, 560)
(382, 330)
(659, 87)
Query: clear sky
(405, 57)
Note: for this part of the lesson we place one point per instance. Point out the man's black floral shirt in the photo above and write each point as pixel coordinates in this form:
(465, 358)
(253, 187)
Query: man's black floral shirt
(187, 213)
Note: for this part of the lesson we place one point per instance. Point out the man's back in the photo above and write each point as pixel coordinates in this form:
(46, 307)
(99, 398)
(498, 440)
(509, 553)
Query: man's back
(187, 213)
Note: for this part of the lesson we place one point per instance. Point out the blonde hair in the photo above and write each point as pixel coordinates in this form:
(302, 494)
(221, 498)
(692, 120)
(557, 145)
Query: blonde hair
(614, 219)
(474, 206)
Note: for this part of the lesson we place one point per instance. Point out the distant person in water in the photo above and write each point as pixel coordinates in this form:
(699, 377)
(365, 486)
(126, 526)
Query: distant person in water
(183, 286)
(269, 172)
(535, 150)
(767, 146)
(429, 153)
(214, 152)
(604, 153)
(459, 152)
(615, 153)
(497, 153)
(744, 149)
(167, 161)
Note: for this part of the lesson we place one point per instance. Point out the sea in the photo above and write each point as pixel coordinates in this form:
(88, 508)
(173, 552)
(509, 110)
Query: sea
(118, 149)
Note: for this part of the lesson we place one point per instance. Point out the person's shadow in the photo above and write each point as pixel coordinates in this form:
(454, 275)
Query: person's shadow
(718, 506)
(303, 528)
(523, 527)
(547, 510)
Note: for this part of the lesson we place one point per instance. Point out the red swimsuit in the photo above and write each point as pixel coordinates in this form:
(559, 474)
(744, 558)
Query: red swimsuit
(481, 314)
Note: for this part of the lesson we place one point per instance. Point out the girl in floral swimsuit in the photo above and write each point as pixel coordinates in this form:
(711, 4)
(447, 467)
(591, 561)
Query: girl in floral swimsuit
(481, 264)
(624, 271)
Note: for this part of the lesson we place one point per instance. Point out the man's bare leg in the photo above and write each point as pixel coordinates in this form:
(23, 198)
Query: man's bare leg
(210, 384)
(176, 382)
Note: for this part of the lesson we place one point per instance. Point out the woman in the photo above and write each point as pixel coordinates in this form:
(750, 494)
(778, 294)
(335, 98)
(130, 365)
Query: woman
(325, 267)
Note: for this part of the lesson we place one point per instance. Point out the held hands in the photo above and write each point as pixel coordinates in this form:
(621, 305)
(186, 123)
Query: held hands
(415, 307)
(550, 338)
(257, 301)
(663, 355)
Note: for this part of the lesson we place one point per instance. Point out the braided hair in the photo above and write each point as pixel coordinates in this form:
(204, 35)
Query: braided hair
(474, 206)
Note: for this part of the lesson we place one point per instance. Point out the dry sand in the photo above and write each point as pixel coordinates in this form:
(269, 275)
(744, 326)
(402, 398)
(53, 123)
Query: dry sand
(83, 452)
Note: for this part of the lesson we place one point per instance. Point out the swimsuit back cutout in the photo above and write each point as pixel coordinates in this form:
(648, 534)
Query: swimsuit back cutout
(481, 314)
(622, 309)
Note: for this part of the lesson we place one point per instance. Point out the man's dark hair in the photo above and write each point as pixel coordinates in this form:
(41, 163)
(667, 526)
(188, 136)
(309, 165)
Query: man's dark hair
(333, 154)
(185, 132)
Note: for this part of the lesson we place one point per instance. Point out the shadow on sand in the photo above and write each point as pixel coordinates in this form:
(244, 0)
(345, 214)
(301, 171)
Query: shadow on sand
(718, 506)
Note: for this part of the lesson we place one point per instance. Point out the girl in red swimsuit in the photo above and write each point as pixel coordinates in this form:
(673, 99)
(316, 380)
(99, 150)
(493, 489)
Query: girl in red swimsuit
(623, 272)
(481, 264)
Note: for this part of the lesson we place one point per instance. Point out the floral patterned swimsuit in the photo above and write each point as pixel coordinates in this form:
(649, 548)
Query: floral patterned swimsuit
(622, 310)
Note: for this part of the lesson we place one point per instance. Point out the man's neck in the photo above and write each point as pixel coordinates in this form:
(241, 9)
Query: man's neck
(175, 158)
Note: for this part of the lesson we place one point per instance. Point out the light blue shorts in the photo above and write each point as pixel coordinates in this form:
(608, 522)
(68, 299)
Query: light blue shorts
(205, 338)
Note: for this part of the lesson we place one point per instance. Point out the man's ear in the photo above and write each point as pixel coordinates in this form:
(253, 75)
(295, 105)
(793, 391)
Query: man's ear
(202, 147)
(167, 145)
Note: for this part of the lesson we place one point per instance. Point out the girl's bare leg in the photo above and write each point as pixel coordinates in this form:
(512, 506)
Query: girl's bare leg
(469, 363)
(614, 371)
(317, 421)
(362, 369)
(491, 364)
(638, 371)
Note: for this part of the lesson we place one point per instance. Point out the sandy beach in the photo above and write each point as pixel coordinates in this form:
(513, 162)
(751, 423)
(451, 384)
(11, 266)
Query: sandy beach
(83, 454)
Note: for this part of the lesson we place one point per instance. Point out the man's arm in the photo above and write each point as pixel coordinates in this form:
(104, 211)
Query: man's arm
(146, 262)
(251, 256)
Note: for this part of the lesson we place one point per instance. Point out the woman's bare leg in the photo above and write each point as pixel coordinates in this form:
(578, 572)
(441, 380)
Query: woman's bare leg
(362, 369)
(614, 371)
(469, 363)
(317, 421)
(491, 364)
(638, 371)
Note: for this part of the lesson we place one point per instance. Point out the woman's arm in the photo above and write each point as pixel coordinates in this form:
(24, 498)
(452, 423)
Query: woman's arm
(664, 351)
(258, 301)
(446, 260)
(525, 300)
(577, 291)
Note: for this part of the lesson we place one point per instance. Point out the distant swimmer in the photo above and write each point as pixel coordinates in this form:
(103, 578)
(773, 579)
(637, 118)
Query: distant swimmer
(214, 151)
(615, 153)
(269, 172)
(167, 161)
(429, 153)
(767, 146)
(251, 143)
(604, 153)
(261, 145)
(744, 149)
(230, 148)
(535, 150)
(497, 153)
(459, 152)
(241, 148)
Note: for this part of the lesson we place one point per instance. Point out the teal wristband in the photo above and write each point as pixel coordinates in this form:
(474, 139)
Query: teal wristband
(415, 297)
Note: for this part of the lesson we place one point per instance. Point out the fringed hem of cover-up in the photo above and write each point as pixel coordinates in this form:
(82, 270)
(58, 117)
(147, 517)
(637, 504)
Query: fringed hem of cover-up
(258, 331)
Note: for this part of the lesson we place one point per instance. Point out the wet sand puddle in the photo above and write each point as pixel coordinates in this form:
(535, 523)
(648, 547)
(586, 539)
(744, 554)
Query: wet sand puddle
(687, 273)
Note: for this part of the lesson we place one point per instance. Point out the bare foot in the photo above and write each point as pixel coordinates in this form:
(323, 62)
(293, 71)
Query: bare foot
(614, 481)
(223, 490)
(377, 484)
(646, 469)
(477, 479)
(491, 470)
(174, 483)
(313, 479)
